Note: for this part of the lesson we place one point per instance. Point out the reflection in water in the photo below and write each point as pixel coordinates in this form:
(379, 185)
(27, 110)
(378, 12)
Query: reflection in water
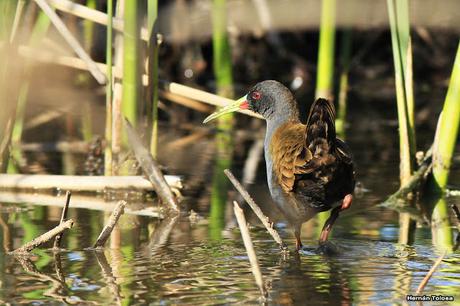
(174, 261)
(178, 264)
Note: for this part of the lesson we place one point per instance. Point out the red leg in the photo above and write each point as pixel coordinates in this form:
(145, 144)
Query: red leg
(298, 243)
(346, 203)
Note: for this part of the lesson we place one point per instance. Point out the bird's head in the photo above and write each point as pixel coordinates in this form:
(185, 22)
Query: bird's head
(268, 98)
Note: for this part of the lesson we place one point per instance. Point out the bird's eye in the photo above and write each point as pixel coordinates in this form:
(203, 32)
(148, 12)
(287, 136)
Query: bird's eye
(256, 95)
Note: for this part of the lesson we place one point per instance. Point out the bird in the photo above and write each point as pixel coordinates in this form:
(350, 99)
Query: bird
(309, 169)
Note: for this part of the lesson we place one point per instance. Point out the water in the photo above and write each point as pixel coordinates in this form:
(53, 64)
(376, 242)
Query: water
(187, 261)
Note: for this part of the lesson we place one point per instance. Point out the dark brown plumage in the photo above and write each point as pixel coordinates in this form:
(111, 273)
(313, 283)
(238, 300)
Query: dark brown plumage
(309, 169)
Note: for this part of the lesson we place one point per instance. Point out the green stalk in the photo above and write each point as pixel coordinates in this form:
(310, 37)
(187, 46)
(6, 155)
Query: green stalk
(108, 92)
(222, 61)
(324, 76)
(443, 150)
(131, 62)
(345, 57)
(153, 72)
(447, 131)
(441, 227)
(398, 13)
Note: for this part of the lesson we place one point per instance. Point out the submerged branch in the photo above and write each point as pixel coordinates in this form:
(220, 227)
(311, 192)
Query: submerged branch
(29, 246)
(57, 240)
(264, 219)
(107, 230)
(414, 181)
(151, 169)
(427, 277)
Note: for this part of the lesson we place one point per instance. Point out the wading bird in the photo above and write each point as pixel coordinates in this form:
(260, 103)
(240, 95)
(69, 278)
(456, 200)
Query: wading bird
(309, 169)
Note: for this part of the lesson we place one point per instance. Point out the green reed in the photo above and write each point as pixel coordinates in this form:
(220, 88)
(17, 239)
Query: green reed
(108, 92)
(222, 61)
(325, 73)
(132, 85)
(154, 45)
(398, 13)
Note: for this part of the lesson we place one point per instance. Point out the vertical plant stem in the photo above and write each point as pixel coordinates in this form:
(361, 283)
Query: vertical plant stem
(400, 39)
(108, 94)
(222, 62)
(117, 123)
(131, 62)
(398, 13)
(345, 57)
(447, 132)
(324, 76)
(154, 46)
(443, 150)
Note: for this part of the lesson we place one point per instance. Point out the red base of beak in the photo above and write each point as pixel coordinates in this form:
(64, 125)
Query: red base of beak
(244, 105)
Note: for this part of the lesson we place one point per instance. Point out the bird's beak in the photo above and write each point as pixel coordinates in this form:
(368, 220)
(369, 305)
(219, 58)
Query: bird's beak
(241, 103)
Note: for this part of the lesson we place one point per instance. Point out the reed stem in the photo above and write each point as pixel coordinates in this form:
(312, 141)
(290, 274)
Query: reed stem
(345, 59)
(324, 77)
(131, 62)
(447, 131)
(154, 45)
(109, 92)
(222, 62)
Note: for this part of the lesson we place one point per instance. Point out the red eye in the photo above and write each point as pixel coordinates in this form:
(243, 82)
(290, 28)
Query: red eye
(256, 95)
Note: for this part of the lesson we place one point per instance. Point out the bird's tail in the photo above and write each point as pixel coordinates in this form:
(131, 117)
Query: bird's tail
(321, 123)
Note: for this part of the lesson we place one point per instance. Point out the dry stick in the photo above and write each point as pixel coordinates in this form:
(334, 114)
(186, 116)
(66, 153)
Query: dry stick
(80, 201)
(81, 183)
(71, 40)
(29, 246)
(92, 15)
(151, 169)
(171, 87)
(264, 219)
(249, 247)
(427, 277)
(57, 240)
(107, 230)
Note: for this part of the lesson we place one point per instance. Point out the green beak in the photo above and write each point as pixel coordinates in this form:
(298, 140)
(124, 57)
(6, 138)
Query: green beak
(241, 103)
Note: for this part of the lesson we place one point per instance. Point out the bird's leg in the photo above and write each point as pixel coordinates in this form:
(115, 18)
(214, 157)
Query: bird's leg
(298, 243)
(346, 203)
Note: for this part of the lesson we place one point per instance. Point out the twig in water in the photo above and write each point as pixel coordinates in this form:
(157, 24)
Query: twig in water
(249, 247)
(151, 169)
(107, 230)
(427, 277)
(57, 240)
(264, 219)
(29, 246)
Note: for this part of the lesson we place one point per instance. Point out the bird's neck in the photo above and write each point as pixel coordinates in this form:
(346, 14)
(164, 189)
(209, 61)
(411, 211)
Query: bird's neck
(285, 116)
(282, 116)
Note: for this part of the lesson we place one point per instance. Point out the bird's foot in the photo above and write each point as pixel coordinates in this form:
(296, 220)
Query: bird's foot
(346, 203)
(327, 248)
(298, 244)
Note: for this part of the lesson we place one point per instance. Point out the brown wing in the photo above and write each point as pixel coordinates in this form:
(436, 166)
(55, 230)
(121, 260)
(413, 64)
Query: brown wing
(289, 153)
